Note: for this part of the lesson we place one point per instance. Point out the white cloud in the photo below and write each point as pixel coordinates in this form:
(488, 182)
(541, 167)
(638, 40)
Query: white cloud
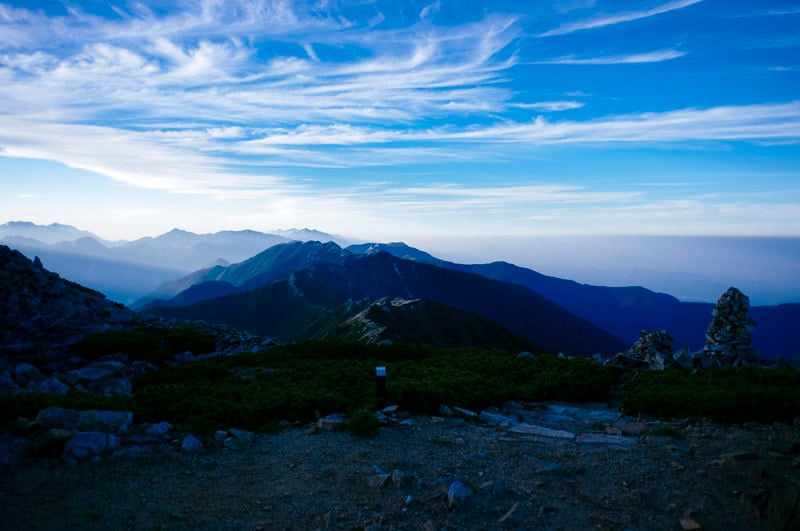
(549, 106)
(647, 57)
(618, 18)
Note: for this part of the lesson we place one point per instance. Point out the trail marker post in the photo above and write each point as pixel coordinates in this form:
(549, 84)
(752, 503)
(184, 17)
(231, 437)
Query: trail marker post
(380, 381)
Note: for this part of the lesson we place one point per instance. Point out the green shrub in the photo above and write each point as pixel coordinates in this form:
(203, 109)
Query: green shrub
(727, 395)
(297, 382)
(146, 344)
(363, 423)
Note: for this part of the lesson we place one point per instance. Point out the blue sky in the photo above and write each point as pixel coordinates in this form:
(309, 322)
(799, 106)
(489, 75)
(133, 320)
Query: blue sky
(395, 120)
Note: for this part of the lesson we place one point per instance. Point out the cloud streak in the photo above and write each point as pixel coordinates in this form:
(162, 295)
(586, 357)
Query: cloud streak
(618, 18)
(637, 58)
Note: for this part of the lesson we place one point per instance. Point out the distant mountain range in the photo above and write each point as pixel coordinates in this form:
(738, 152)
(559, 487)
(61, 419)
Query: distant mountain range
(297, 289)
(128, 270)
(288, 308)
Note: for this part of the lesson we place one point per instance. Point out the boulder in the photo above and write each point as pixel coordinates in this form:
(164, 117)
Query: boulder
(457, 495)
(160, 429)
(86, 445)
(115, 422)
(51, 386)
(192, 444)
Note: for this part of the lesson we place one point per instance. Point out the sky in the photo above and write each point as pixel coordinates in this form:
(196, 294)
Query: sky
(387, 120)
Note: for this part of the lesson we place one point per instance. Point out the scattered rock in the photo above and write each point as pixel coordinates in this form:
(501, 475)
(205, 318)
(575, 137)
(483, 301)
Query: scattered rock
(51, 386)
(532, 429)
(496, 419)
(610, 440)
(465, 413)
(86, 445)
(192, 444)
(103, 421)
(160, 429)
(457, 495)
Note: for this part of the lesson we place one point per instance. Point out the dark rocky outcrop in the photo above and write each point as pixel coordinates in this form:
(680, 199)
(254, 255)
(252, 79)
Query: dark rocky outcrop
(41, 314)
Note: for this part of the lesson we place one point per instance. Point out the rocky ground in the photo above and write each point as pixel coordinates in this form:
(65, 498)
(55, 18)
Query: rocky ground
(555, 467)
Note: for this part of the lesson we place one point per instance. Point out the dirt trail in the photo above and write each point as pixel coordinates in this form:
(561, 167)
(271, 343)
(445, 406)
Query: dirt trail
(718, 477)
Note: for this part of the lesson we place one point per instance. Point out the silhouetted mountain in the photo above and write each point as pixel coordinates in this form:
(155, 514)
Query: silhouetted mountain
(626, 311)
(418, 321)
(264, 268)
(284, 307)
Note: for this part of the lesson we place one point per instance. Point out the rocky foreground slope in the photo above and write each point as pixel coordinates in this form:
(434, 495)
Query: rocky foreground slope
(534, 466)
(41, 313)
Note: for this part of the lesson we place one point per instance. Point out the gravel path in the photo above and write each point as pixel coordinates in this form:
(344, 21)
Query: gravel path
(718, 477)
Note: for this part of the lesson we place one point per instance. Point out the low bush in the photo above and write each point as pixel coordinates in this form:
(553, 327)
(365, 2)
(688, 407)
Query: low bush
(727, 395)
(363, 423)
(151, 344)
(301, 381)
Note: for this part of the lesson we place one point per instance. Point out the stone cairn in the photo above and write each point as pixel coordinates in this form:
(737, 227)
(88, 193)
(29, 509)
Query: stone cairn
(652, 351)
(729, 336)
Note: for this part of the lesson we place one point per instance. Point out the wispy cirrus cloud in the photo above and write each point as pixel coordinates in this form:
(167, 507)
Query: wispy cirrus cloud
(618, 18)
(636, 58)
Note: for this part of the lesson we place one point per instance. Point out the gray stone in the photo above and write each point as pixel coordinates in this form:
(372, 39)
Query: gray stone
(86, 445)
(162, 428)
(533, 429)
(111, 387)
(91, 374)
(611, 440)
(103, 421)
(52, 386)
(457, 495)
(496, 419)
(192, 444)
(445, 411)
(465, 413)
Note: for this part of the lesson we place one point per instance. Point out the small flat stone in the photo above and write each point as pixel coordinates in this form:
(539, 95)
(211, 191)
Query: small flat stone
(602, 438)
(533, 429)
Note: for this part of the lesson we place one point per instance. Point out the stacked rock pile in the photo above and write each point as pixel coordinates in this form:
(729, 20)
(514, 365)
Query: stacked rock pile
(653, 351)
(729, 336)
